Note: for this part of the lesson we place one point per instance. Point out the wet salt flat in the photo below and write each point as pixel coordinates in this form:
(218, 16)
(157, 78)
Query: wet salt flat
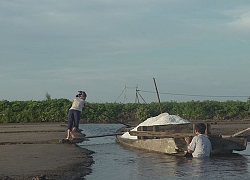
(114, 162)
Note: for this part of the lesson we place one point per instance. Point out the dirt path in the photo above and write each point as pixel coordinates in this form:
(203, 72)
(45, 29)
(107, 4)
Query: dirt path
(38, 151)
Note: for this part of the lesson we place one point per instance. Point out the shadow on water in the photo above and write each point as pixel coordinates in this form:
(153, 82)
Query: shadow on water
(115, 162)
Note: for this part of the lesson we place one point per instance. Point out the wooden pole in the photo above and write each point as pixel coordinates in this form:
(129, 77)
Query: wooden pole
(240, 132)
(136, 94)
(157, 95)
(141, 97)
(125, 97)
(104, 135)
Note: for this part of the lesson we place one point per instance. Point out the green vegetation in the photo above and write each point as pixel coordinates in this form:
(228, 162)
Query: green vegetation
(56, 110)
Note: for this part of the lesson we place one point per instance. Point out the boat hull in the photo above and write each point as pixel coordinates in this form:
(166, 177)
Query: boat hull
(163, 145)
(177, 146)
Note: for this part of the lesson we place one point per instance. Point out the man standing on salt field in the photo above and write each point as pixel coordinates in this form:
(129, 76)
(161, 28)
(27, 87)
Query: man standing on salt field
(199, 146)
(74, 114)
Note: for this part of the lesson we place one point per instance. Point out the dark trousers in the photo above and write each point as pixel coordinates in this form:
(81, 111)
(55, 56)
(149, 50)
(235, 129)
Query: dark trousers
(73, 119)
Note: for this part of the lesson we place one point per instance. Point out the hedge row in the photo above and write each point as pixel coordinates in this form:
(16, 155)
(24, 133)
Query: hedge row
(56, 110)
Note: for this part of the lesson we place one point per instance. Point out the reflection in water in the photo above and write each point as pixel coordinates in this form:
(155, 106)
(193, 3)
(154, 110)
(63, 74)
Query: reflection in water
(114, 162)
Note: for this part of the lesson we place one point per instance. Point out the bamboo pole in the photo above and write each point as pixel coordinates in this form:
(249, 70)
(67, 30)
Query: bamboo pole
(157, 95)
(104, 135)
(240, 132)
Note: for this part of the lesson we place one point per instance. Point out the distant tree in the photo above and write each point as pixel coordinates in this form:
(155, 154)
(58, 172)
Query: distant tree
(48, 96)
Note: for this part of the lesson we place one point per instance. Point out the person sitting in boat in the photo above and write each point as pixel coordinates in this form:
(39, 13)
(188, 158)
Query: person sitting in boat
(199, 146)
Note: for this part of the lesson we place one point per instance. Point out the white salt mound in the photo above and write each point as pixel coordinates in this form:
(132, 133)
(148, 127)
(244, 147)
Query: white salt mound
(162, 119)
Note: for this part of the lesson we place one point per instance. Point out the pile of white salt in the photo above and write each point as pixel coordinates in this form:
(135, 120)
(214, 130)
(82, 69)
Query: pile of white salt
(162, 119)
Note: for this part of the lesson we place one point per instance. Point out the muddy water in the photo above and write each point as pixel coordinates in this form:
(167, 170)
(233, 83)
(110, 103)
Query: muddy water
(114, 162)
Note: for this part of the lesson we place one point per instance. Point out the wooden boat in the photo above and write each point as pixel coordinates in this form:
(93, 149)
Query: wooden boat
(169, 139)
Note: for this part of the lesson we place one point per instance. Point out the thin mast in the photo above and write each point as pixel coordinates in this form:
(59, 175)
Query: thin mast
(157, 95)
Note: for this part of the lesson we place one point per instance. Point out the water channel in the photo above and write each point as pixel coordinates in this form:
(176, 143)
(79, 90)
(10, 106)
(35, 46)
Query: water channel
(114, 162)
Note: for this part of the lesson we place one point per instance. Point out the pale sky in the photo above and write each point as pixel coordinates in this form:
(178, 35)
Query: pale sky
(192, 47)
